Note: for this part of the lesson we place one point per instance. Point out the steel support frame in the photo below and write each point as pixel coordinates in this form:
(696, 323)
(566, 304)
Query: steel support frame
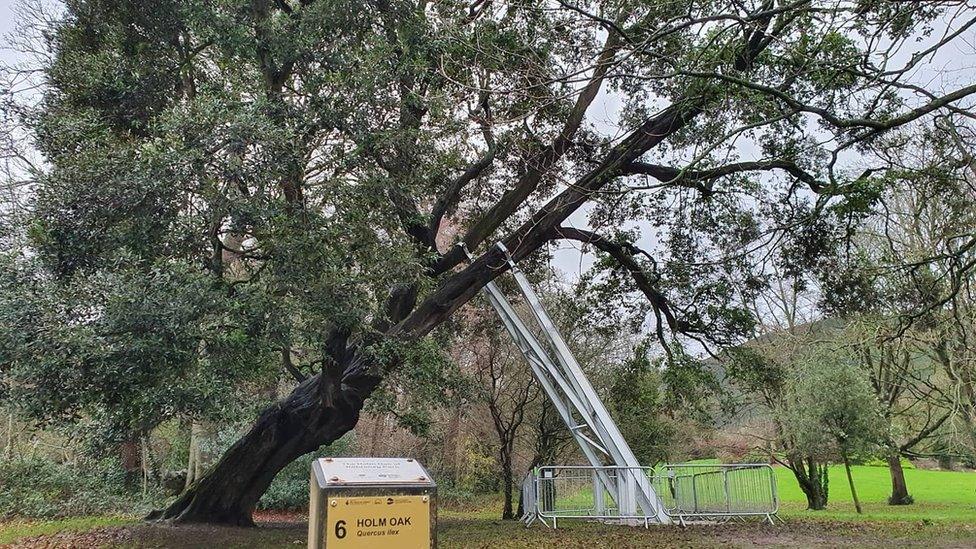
(573, 396)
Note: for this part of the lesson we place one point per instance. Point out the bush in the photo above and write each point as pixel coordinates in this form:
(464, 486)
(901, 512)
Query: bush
(450, 495)
(34, 487)
(289, 490)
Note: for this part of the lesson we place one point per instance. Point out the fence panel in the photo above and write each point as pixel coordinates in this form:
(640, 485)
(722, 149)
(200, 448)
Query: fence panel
(687, 491)
(718, 490)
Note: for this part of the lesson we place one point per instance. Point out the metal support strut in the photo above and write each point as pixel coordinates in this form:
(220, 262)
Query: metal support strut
(577, 403)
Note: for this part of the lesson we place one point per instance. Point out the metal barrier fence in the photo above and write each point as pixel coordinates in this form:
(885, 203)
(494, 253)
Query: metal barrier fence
(694, 491)
(688, 492)
(588, 492)
(529, 499)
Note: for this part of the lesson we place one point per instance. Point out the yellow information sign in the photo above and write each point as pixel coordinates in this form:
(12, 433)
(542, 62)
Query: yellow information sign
(378, 521)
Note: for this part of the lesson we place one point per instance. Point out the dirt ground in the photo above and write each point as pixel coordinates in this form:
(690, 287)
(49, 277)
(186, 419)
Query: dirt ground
(283, 530)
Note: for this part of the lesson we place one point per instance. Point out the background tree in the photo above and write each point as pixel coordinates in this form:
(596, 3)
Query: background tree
(509, 393)
(836, 411)
(635, 399)
(906, 273)
(908, 389)
(760, 376)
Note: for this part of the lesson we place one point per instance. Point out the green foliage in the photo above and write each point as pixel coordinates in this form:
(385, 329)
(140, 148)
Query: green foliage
(36, 487)
(289, 489)
(454, 494)
(163, 269)
(481, 473)
(835, 411)
(754, 372)
(420, 379)
(923, 198)
(636, 403)
(691, 387)
(126, 348)
(879, 462)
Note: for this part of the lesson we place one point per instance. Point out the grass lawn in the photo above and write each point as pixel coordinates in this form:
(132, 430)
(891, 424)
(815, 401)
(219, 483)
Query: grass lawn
(14, 530)
(940, 495)
(945, 516)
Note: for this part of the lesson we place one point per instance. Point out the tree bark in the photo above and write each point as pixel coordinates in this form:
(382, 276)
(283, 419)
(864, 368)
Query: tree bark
(146, 466)
(195, 465)
(899, 488)
(9, 451)
(520, 510)
(850, 480)
(131, 461)
(508, 513)
(813, 480)
(506, 449)
(317, 412)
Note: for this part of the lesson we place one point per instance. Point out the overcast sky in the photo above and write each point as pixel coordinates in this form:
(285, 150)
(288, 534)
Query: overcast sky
(6, 24)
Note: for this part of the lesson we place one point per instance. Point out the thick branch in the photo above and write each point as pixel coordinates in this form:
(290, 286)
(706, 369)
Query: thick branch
(283, 6)
(701, 180)
(290, 366)
(409, 216)
(462, 286)
(923, 434)
(624, 254)
(528, 237)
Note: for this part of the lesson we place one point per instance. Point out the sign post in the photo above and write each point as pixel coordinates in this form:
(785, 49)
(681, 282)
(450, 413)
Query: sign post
(359, 503)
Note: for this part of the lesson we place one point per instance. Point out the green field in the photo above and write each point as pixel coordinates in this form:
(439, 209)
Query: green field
(944, 515)
(940, 495)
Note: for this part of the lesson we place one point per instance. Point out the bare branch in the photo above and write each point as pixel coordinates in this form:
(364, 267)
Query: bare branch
(624, 254)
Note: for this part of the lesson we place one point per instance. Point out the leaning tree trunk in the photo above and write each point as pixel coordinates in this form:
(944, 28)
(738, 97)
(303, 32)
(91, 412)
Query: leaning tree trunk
(315, 413)
(850, 481)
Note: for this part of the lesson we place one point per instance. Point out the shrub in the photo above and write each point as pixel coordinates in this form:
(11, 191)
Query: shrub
(879, 462)
(289, 490)
(451, 495)
(34, 487)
